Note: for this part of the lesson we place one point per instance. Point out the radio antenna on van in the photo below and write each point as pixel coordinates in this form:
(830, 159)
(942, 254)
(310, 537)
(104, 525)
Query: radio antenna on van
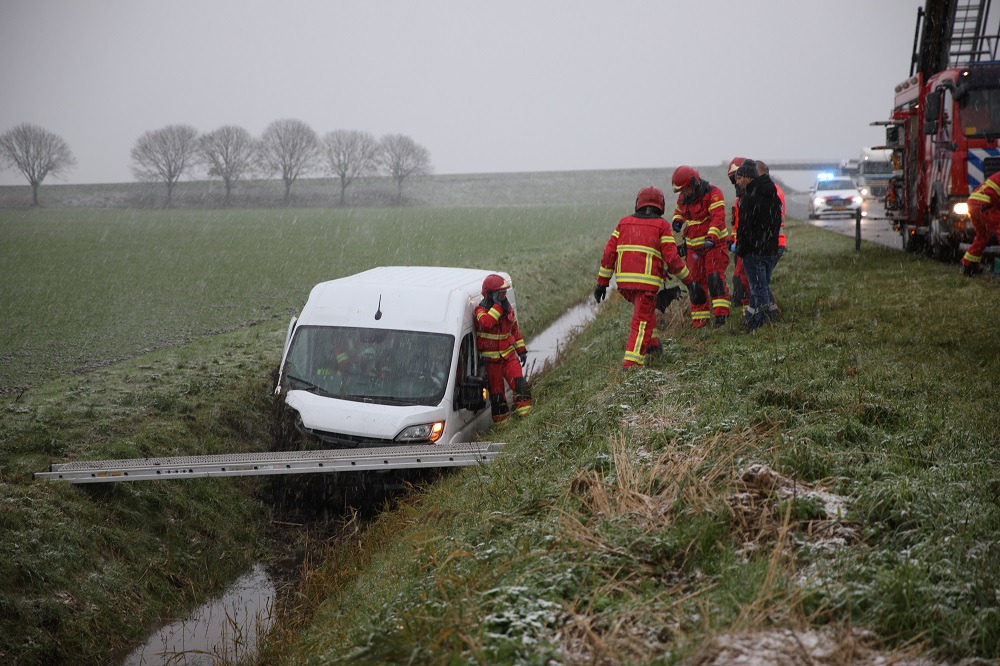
(378, 312)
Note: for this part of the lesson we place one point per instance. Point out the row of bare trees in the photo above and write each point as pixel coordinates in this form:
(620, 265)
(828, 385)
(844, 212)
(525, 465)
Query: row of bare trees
(287, 148)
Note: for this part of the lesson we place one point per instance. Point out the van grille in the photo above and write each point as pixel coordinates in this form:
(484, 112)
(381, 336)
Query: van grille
(339, 440)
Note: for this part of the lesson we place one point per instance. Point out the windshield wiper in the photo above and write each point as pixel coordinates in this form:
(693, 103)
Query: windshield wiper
(309, 386)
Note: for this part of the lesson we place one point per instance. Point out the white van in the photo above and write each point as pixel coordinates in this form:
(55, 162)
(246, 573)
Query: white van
(388, 357)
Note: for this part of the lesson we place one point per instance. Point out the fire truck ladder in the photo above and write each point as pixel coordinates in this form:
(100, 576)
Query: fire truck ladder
(951, 33)
(969, 41)
(462, 454)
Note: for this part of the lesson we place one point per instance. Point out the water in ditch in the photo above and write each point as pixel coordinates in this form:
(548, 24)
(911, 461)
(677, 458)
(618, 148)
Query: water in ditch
(227, 629)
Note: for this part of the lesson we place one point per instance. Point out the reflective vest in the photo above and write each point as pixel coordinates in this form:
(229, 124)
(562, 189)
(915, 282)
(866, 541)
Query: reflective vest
(497, 334)
(639, 253)
(703, 219)
(986, 195)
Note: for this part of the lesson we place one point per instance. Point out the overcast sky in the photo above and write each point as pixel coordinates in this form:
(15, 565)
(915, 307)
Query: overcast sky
(518, 85)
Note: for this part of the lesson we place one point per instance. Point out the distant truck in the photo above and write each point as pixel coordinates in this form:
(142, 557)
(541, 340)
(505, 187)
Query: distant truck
(874, 171)
(388, 357)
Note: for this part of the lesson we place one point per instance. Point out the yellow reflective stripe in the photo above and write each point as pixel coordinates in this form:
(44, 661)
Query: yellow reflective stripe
(492, 336)
(615, 234)
(641, 278)
(604, 272)
(683, 274)
(667, 239)
(993, 186)
(713, 206)
(341, 358)
(700, 314)
(696, 241)
(979, 196)
(645, 249)
(720, 303)
(972, 259)
(638, 359)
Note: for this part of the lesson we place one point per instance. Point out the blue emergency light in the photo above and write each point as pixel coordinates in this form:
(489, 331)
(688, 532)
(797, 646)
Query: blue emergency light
(825, 175)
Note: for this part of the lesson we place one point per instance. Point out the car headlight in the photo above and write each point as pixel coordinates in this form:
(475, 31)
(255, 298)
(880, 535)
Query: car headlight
(425, 432)
(819, 201)
(857, 200)
(961, 208)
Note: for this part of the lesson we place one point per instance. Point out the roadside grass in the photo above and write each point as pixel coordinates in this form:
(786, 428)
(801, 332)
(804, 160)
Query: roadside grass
(171, 323)
(835, 472)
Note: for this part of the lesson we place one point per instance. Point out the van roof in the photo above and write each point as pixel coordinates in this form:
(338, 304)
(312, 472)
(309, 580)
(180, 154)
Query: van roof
(414, 298)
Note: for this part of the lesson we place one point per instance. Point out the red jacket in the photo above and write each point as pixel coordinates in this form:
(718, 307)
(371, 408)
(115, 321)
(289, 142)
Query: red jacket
(639, 253)
(497, 334)
(986, 196)
(704, 218)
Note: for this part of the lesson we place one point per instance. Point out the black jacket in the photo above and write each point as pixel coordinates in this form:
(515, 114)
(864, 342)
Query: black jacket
(760, 218)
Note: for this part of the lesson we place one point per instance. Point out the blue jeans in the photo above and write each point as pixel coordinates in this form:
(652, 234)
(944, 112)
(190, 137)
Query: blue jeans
(758, 268)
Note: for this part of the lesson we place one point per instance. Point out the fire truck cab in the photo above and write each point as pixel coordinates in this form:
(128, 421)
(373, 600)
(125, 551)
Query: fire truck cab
(944, 129)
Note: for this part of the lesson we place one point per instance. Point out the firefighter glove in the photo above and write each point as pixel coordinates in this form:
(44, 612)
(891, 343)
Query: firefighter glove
(522, 356)
(505, 304)
(696, 294)
(709, 244)
(600, 293)
(677, 225)
(665, 297)
(781, 251)
(682, 250)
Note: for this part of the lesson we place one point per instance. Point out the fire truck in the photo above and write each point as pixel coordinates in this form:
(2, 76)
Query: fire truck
(944, 126)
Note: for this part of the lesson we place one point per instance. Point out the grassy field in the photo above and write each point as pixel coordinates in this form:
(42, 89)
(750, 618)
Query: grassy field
(445, 191)
(196, 303)
(626, 522)
(775, 495)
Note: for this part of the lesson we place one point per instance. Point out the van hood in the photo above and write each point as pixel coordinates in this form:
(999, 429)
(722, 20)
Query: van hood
(359, 419)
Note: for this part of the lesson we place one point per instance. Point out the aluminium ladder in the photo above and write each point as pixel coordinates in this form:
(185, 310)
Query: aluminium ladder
(277, 462)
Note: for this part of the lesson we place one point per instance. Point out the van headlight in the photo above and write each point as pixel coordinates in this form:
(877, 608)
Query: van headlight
(961, 208)
(425, 432)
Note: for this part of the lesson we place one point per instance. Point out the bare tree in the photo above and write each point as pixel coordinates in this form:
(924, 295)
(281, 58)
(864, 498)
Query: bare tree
(289, 148)
(402, 157)
(165, 154)
(230, 153)
(35, 152)
(350, 154)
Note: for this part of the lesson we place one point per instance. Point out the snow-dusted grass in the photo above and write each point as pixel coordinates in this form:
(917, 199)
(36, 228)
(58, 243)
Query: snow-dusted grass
(171, 323)
(85, 288)
(834, 473)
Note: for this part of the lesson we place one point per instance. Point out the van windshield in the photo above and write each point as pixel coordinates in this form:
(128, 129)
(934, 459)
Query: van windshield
(370, 365)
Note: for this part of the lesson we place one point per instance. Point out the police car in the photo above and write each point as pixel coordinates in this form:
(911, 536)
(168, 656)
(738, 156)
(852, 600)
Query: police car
(834, 195)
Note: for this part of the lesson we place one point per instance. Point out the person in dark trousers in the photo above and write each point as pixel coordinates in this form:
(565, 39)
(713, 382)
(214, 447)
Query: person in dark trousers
(757, 241)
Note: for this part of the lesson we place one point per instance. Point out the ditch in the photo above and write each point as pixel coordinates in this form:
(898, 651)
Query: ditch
(229, 628)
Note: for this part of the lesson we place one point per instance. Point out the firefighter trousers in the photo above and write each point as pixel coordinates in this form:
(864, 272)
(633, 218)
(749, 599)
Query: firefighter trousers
(507, 370)
(709, 270)
(642, 335)
(986, 224)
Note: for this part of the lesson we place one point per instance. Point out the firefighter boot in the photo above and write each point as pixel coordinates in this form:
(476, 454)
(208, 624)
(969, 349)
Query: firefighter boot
(499, 407)
(522, 397)
(720, 320)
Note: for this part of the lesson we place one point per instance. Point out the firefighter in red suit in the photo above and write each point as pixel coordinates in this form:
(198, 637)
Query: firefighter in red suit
(700, 217)
(741, 286)
(639, 254)
(984, 209)
(499, 341)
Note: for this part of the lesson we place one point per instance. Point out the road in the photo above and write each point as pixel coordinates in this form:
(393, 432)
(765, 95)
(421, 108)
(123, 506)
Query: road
(873, 230)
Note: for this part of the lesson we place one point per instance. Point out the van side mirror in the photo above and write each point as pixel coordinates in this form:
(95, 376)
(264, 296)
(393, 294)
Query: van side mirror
(472, 393)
